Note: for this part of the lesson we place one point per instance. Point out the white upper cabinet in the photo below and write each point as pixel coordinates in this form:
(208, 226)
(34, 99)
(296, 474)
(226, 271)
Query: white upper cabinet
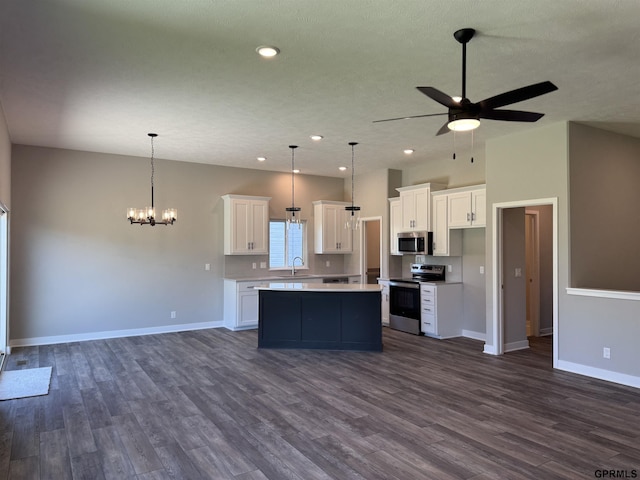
(445, 242)
(395, 224)
(467, 207)
(330, 219)
(246, 225)
(415, 203)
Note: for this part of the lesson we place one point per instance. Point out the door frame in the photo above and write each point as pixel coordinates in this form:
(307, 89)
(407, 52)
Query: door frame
(497, 274)
(4, 282)
(363, 246)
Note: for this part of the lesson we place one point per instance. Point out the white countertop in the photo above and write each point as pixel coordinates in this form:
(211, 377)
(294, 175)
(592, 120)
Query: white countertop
(285, 277)
(319, 287)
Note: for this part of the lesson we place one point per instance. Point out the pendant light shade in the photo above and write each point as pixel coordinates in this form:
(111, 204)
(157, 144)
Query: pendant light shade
(147, 215)
(293, 212)
(354, 218)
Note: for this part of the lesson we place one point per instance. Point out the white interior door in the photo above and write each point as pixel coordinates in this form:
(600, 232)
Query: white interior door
(4, 280)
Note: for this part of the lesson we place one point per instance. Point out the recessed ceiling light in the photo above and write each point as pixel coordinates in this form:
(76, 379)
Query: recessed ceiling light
(316, 137)
(295, 170)
(267, 51)
(408, 151)
(342, 169)
(262, 159)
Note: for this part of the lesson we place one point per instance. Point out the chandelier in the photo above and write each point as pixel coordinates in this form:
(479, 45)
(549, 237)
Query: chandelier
(353, 220)
(292, 219)
(147, 215)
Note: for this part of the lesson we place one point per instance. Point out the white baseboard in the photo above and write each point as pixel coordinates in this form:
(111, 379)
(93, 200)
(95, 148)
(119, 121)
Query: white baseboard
(599, 373)
(134, 332)
(544, 332)
(513, 346)
(474, 335)
(490, 349)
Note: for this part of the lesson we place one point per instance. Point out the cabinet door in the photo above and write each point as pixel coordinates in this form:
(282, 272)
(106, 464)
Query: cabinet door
(408, 206)
(440, 226)
(330, 219)
(344, 235)
(259, 226)
(421, 199)
(479, 208)
(395, 225)
(241, 226)
(247, 309)
(459, 209)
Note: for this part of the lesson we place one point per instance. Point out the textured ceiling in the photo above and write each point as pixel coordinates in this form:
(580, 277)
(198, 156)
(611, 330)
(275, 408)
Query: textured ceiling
(98, 75)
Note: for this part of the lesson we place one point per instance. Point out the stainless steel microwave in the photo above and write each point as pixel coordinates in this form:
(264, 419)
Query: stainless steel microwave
(415, 243)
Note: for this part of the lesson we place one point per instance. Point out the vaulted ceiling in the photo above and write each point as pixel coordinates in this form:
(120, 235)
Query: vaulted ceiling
(98, 75)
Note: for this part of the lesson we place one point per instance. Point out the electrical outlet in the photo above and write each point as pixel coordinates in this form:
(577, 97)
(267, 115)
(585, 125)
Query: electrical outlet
(449, 268)
(207, 266)
(606, 352)
(254, 265)
(173, 314)
(263, 264)
(328, 264)
(481, 269)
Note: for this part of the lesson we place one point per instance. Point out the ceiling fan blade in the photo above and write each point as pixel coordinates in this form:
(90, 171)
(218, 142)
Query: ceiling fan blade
(440, 97)
(444, 129)
(517, 95)
(408, 118)
(511, 115)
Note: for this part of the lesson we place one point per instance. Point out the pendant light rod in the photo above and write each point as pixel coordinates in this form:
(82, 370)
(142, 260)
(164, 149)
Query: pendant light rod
(147, 215)
(291, 211)
(352, 222)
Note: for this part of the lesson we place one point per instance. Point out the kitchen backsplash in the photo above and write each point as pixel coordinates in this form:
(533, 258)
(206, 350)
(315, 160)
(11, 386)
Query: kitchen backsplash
(242, 265)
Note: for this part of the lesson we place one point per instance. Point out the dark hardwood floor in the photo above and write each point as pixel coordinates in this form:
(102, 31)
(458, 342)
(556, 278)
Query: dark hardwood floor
(208, 404)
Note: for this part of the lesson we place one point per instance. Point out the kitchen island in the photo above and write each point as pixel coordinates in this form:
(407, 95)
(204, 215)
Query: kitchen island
(320, 316)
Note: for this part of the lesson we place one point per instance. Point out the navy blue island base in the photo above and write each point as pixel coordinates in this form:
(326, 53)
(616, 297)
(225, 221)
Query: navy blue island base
(332, 320)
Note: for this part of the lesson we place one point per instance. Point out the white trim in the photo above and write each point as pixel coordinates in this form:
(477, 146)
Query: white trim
(618, 294)
(534, 287)
(513, 346)
(134, 332)
(474, 335)
(4, 279)
(544, 332)
(498, 320)
(600, 373)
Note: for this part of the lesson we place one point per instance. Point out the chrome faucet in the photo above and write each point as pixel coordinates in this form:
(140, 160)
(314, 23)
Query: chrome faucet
(293, 264)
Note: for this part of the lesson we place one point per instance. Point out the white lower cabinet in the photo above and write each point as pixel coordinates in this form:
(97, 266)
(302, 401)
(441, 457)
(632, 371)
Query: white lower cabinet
(385, 301)
(441, 309)
(355, 279)
(240, 304)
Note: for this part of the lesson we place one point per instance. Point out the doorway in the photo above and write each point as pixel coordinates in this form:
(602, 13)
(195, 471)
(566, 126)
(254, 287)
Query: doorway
(371, 251)
(503, 276)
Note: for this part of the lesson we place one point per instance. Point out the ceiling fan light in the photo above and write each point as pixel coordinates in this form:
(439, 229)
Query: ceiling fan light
(463, 124)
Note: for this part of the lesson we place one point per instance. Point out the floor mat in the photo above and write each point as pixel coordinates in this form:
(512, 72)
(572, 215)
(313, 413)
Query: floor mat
(24, 383)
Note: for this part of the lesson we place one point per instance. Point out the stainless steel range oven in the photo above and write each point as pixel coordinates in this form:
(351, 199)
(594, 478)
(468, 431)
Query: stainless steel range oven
(405, 308)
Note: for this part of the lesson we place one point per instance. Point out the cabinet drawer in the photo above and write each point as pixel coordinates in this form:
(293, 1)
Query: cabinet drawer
(428, 324)
(428, 290)
(247, 286)
(427, 301)
(428, 310)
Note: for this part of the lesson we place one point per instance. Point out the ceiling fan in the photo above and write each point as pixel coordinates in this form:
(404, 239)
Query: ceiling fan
(465, 115)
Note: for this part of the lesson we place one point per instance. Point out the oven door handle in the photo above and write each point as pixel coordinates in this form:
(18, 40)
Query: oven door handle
(415, 286)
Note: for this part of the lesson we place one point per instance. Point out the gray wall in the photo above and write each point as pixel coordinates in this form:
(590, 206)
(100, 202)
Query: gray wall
(545, 234)
(5, 162)
(533, 165)
(605, 214)
(78, 267)
(473, 257)
(514, 291)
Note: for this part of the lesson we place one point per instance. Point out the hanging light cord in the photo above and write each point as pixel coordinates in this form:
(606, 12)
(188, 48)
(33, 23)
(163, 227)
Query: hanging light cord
(292, 177)
(352, 174)
(152, 168)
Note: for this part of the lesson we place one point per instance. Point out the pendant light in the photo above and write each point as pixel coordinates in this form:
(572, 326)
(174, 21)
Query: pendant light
(147, 215)
(293, 212)
(354, 219)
